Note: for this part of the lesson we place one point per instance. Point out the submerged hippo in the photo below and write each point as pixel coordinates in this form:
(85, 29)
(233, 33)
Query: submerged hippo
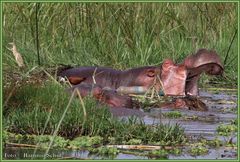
(104, 95)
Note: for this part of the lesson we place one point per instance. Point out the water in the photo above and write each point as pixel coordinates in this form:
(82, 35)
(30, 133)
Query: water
(222, 110)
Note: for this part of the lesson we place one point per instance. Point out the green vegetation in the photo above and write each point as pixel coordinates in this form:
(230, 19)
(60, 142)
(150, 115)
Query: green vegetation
(173, 114)
(104, 151)
(193, 117)
(197, 149)
(47, 109)
(176, 151)
(85, 141)
(229, 110)
(41, 108)
(41, 141)
(163, 154)
(215, 143)
(226, 130)
(134, 141)
(93, 144)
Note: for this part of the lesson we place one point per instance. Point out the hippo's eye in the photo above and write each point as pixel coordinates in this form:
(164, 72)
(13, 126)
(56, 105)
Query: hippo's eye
(151, 73)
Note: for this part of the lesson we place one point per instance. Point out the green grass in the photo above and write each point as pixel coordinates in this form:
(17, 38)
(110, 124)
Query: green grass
(198, 149)
(41, 141)
(163, 154)
(85, 141)
(173, 114)
(226, 129)
(229, 132)
(120, 35)
(105, 151)
(45, 109)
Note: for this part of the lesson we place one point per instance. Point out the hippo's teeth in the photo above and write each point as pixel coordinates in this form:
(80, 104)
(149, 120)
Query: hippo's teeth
(188, 93)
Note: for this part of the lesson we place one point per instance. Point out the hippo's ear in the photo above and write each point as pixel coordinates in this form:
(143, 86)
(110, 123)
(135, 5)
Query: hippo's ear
(151, 72)
(167, 64)
(75, 80)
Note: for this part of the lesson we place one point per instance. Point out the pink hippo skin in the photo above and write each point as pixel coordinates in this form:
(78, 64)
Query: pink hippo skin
(173, 78)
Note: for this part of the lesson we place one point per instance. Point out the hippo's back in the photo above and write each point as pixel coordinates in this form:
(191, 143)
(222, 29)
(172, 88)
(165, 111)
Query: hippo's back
(85, 71)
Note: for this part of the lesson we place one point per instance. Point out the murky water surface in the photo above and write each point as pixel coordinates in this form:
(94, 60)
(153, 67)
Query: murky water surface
(222, 110)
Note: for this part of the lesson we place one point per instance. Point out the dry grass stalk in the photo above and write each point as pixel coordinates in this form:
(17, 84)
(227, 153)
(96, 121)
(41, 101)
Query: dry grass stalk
(21, 145)
(140, 147)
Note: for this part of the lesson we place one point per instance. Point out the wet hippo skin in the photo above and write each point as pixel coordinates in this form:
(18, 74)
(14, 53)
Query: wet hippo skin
(204, 60)
(108, 77)
(107, 96)
(175, 79)
(172, 77)
(119, 105)
(189, 102)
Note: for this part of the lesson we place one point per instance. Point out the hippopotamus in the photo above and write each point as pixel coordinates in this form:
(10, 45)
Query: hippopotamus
(173, 79)
(168, 76)
(203, 60)
(118, 105)
(188, 101)
(104, 95)
(108, 77)
(182, 79)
